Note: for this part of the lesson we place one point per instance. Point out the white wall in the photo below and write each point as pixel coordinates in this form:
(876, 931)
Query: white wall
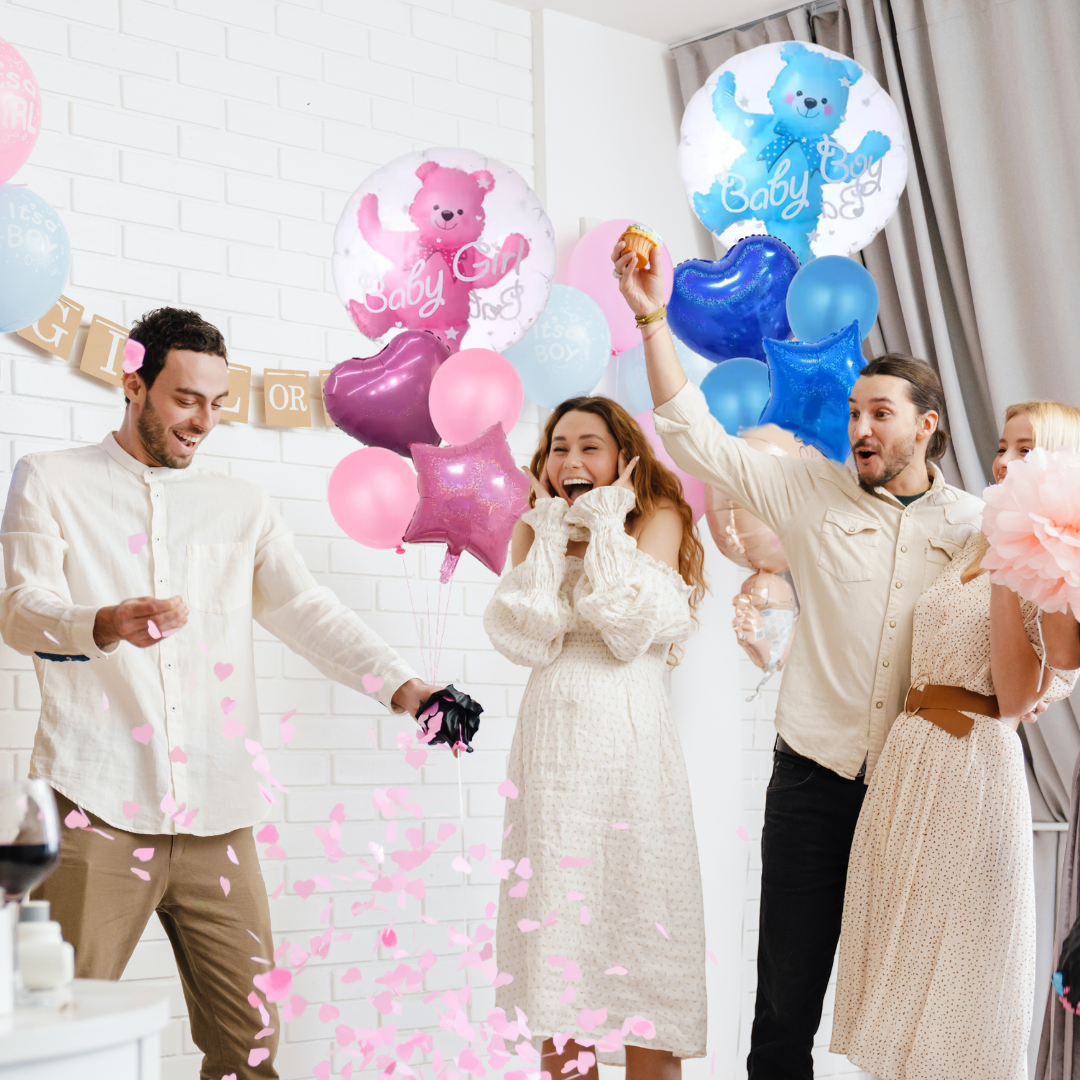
(199, 153)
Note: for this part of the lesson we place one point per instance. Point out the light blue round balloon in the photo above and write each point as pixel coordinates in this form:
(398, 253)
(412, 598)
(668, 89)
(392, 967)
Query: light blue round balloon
(829, 294)
(737, 391)
(633, 378)
(565, 352)
(35, 257)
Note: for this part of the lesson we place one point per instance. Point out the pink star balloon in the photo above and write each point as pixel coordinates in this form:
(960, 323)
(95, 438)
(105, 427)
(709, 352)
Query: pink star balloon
(470, 498)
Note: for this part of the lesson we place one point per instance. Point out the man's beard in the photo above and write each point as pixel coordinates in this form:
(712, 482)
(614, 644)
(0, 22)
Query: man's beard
(155, 439)
(895, 461)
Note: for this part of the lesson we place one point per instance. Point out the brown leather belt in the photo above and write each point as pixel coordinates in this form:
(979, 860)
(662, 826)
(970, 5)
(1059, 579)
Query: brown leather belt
(942, 705)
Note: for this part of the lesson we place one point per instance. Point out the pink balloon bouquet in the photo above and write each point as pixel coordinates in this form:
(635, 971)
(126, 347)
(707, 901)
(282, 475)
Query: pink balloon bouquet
(471, 392)
(20, 111)
(372, 495)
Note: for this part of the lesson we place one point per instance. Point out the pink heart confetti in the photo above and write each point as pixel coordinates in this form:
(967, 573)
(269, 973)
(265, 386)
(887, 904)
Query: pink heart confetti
(286, 729)
(372, 683)
(223, 671)
(712, 957)
(304, 888)
(567, 996)
(230, 854)
(520, 889)
(524, 868)
(446, 830)
(232, 727)
(274, 984)
(416, 758)
(328, 1012)
(136, 542)
(616, 970)
(322, 1070)
(277, 892)
(574, 897)
(258, 1055)
(268, 834)
(130, 808)
(226, 885)
(227, 705)
(389, 937)
(105, 701)
(351, 976)
(461, 865)
(229, 1076)
(168, 804)
(712, 1063)
(140, 873)
(571, 972)
(525, 925)
(662, 931)
(143, 734)
(570, 862)
(177, 754)
(586, 918)
(76, 819)
(152, 629)
(591, 1018)
(508, 789)
(143, 854)
(134, 354)
(619, 825)
(742, 834)
(504, 978)
(263, 1032)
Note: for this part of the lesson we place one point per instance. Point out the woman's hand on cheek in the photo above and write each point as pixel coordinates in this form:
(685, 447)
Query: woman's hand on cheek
(626, 472)
(540, 488)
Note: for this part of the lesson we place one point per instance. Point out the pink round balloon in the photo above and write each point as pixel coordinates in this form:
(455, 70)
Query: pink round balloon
(589, 269)
(372, 495)
(20, 111)
(472, 391)
(693, 489)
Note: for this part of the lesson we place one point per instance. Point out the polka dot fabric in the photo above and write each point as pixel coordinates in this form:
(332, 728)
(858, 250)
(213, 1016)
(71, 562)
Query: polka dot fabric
(603, 814)
(936, 974)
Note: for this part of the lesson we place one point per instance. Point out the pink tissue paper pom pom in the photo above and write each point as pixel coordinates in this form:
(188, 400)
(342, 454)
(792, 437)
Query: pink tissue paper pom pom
(1032, 523)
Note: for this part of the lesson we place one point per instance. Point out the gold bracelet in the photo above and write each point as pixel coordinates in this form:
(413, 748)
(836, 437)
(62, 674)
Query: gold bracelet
(656, 316)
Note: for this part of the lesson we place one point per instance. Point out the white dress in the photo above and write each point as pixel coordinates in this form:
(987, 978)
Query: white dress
(936, 975)
(611, 916)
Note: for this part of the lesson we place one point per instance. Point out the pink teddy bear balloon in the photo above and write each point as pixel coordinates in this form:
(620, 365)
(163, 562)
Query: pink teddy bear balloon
(436, 267)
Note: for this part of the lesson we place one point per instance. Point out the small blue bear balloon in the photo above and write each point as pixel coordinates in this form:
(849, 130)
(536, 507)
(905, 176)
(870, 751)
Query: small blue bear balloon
(797, 141)
(726, 308)
(35, 257)
(811, 383)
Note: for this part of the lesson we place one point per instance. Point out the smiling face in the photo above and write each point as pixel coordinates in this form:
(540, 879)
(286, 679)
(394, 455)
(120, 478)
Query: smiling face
(887, 432)
(811, 92)
(449, 207)
(172, 418)
(1017, 439)
(583, 455)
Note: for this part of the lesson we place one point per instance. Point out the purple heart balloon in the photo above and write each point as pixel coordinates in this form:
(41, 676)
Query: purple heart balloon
(382, 400)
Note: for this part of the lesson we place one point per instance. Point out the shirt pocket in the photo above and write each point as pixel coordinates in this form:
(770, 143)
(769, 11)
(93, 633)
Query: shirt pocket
(849, 545)
(218, 577)
(940, 551)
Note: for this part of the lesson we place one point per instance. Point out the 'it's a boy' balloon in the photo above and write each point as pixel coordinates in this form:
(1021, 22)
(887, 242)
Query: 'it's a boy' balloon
(797, 141)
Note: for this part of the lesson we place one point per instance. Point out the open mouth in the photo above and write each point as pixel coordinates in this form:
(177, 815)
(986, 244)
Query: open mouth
(575, 486)
(864, 456)
(185, 441)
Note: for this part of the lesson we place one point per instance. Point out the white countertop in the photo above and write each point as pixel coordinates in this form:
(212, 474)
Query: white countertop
(100, 1014)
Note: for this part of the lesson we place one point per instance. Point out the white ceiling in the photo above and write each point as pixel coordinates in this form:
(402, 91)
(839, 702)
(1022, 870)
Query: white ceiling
(667, 21)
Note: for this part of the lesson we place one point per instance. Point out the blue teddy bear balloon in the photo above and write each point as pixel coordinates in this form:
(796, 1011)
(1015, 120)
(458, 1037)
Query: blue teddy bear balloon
(790, 153)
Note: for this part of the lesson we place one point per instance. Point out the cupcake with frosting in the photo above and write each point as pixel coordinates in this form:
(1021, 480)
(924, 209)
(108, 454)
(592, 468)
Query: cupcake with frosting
(640, 241)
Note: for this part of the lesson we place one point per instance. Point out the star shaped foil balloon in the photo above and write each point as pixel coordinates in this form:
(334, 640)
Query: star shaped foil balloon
(810, 384)
(471, 495)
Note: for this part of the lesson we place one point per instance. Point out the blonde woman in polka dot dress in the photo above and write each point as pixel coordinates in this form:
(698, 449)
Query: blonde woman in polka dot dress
(936, 974)
(600, 923)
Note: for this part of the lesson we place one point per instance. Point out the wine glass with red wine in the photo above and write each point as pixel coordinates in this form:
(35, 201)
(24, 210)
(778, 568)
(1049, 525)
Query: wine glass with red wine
(29, 835)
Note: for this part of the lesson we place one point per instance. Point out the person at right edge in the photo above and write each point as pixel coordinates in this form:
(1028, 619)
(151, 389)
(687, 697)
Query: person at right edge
(862, 546)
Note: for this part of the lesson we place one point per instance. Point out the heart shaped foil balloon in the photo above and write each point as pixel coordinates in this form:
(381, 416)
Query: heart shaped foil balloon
(382, 400)
(726, 308)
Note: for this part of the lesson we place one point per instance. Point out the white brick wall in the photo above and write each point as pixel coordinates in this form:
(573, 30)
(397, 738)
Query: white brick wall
(200, 152)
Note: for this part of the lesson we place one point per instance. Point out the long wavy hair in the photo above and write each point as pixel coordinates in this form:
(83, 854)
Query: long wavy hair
(1054, 426)
(654, 483)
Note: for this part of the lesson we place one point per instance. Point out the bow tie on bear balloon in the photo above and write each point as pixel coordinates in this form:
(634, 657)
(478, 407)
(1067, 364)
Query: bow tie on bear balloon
(450, 717)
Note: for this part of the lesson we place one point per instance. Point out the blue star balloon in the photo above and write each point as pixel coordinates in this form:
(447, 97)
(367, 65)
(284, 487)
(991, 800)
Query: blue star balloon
(811, 383)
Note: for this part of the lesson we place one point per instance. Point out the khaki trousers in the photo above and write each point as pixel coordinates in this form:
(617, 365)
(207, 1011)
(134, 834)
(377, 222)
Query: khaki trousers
(103, 909)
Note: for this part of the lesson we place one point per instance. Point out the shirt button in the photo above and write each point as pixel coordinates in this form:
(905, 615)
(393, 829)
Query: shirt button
(892, 622)
(884, 663)
(879, 704)
(903, 548)
(899, 584)
(851, 528)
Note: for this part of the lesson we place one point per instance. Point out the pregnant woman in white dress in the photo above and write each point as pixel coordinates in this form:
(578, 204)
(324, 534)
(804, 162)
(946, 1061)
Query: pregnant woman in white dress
(936, 975)
(603, 909)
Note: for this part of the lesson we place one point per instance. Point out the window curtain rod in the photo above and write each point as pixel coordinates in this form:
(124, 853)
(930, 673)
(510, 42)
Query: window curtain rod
(816, 7)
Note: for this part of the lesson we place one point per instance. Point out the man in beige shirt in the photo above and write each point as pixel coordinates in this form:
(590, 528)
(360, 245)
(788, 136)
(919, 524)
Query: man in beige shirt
(862, 546)
(149, 726)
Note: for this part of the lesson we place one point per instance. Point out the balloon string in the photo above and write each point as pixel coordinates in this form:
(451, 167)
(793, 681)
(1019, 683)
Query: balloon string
(445, 618)
(1042, 647)
(416, 618)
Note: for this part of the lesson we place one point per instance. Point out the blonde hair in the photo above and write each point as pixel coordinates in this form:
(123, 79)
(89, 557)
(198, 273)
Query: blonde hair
(1054, 426)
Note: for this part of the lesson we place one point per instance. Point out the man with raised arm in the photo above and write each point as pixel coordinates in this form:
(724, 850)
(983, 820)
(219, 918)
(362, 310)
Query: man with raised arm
(862, 545)
(147, 702)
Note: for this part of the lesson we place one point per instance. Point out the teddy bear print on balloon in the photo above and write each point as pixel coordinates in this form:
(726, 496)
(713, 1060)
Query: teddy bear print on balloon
(796, 141)
(446, 241)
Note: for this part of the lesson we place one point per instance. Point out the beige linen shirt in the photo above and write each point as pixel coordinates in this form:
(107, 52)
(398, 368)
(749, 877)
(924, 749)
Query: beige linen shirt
(71, 536)
(859, 562)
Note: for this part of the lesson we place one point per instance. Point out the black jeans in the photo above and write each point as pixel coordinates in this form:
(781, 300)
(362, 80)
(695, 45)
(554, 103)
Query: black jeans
(810, 816)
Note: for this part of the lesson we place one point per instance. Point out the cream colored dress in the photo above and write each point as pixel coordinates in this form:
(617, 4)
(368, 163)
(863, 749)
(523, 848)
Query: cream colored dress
(937, 953)
(603, 813)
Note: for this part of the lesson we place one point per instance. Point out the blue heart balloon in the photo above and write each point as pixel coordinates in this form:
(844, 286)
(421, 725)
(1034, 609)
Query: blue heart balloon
(811, 383)
(724, 309)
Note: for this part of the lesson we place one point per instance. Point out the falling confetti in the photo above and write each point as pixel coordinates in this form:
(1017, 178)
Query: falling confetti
(508, 789)
(231, 855)
(226, 885)
(50, 637)
(129, 808)
(742, 834)
(143, 734)
(105, 701)
(152, 629)
(178, 756)
(372, 683)
(285, 729)
(143, 854)
(136, 542)
(223, 671)
(140, 873)
(663, 932)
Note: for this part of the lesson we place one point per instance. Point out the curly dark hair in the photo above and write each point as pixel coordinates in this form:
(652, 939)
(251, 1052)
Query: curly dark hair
(167, 328)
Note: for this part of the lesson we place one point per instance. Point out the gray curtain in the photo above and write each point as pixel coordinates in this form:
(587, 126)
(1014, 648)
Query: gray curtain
(979, 273)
